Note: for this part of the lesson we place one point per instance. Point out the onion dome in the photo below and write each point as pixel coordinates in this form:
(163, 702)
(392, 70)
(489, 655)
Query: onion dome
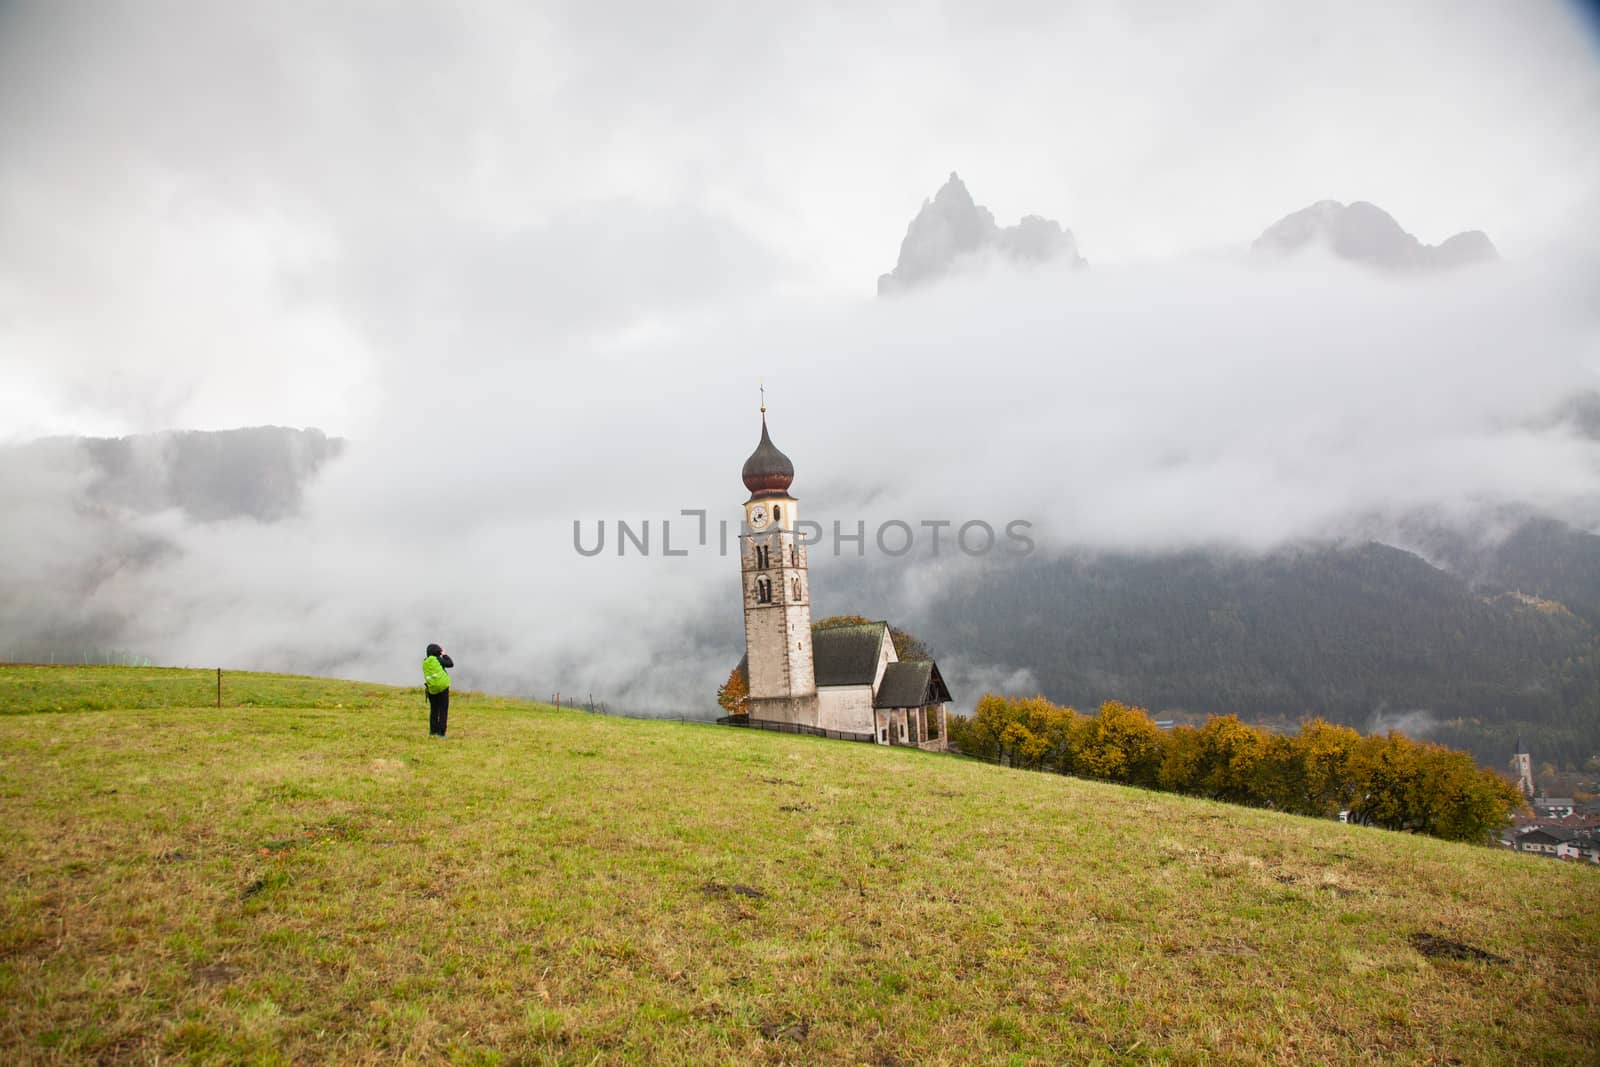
(767, 472)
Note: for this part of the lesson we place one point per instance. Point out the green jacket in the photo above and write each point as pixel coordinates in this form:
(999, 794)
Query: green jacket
(434, 678)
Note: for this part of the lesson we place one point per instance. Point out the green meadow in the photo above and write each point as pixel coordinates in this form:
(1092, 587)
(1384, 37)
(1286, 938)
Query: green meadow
(304, 876)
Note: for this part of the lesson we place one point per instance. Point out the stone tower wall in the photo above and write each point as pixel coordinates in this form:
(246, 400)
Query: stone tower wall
(778, 633)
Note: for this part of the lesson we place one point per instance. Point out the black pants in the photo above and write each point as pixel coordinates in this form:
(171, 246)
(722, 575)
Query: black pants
(438, 711)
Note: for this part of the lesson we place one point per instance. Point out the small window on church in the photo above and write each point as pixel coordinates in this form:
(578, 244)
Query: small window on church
(794, 555)
(777, 513)
(762, 560)
(763, 591)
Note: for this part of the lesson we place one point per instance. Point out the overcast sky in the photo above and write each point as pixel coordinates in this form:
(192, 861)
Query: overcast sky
(533, 259)
(217, 214)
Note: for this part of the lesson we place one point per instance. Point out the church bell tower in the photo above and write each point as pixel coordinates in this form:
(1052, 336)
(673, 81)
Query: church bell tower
(777, 591)
(1522, 768)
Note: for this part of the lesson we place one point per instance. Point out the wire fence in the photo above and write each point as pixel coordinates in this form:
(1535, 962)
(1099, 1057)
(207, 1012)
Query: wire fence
(792, 728)
(593, 707)
(562, 701)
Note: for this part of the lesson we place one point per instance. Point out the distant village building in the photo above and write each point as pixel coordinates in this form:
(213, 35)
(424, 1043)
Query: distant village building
(1560, 842)
(846, 678)
(1556, 828)
(1542, 839)
(1544, 807)
(1583, 850)
(1554, 807)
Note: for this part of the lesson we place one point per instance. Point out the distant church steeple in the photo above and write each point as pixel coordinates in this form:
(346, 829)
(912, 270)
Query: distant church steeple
(1522, 768)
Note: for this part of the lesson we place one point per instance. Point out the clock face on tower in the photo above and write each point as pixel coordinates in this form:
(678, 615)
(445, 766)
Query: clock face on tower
(758, 517)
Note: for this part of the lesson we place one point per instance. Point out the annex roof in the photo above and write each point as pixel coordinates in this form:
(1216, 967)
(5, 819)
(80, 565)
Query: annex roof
(911, 684)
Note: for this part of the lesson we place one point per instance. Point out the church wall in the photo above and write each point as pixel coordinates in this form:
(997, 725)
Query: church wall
(935, 714)
(886, 656)
(800, 709)
(909, 726)
(845, 707)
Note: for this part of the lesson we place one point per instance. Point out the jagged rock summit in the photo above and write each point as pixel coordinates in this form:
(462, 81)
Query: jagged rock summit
(1365, 233)
(952, 233)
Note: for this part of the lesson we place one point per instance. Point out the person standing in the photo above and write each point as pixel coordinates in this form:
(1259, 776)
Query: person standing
(437, 685)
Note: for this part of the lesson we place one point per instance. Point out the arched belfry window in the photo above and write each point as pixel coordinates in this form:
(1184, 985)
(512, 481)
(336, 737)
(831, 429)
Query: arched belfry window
(763, 559)
(763, 590)
(797, 587)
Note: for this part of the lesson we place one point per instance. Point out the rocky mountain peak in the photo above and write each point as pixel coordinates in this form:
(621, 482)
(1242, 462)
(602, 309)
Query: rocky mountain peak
(952, 233)
(1365, 233)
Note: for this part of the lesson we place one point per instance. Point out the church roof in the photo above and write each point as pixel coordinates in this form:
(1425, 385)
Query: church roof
(767, 472)
(848, 655)
(911, 684)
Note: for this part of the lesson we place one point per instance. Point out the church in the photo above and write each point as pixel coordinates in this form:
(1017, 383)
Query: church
(844, 679)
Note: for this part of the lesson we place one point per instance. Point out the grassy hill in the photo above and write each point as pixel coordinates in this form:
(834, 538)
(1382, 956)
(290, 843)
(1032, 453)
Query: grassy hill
(304, 875)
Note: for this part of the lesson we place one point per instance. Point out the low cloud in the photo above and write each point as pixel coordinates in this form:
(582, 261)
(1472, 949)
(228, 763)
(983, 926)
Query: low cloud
(1153, 408)
(1418, 723)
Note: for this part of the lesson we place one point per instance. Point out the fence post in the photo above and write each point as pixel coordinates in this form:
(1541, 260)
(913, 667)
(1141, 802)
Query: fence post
(219, 687)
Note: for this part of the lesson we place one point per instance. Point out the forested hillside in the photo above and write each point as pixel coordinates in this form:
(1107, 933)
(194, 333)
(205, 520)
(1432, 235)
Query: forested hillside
(1368, 636)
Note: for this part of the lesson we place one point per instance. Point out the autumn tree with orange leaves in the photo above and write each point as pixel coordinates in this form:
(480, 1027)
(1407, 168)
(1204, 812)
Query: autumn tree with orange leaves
(734, 695)
(1387, 780)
